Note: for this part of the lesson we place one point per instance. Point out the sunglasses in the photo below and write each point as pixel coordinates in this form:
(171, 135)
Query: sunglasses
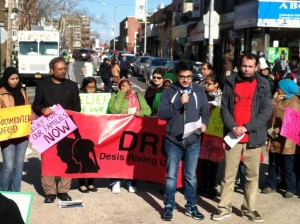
(156, 77)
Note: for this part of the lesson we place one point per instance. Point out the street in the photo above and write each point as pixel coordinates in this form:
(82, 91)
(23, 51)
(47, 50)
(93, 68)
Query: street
(145, 206)
(137, 82)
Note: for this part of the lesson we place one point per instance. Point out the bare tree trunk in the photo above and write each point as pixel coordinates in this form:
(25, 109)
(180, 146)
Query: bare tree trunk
(9, 34)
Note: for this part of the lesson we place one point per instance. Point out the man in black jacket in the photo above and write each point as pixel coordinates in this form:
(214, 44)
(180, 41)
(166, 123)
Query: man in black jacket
(50, 91)
(246, 108)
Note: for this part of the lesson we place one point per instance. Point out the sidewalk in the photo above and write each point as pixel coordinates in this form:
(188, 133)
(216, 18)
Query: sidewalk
(145, 206)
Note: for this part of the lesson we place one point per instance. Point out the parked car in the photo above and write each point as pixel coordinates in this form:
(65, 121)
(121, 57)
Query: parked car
(151, 64)
(119, 55)
(82, 54)
(170, 67)
(138, 65)
(130, 58)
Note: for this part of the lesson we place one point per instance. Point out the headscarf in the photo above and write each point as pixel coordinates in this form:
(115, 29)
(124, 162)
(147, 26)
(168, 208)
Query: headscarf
(132, 98)
(15, 92)
(289, 87)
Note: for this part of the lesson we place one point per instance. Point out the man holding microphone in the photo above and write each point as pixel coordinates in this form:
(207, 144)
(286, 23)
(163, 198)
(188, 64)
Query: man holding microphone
(182, 103)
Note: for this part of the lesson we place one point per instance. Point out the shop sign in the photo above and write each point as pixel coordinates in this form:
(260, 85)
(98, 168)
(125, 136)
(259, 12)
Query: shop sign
(245, 15)
(228, 17)
(196, 8)
(273, 13)
(236, 34)
(197, 34)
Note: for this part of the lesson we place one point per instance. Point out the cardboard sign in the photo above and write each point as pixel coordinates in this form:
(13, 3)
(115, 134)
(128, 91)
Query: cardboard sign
(212, 148)
(94, 103)
(14, 122)
(215, 125)
(47, 131)
(291, 125)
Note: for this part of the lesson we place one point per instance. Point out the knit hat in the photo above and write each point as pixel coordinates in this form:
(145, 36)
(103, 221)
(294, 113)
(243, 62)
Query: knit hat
(171, 76)
(289, 87)
(168, 80)
(263, 64)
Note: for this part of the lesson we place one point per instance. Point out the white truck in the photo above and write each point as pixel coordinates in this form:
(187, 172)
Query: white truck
(35, 51)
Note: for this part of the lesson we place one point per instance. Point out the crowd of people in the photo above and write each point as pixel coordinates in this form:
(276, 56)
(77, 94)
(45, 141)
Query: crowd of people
(252, 105)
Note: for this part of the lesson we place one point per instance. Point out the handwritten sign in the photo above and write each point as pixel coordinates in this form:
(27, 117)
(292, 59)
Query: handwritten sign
(291, 125)
(215, 125)
(47, 131)
(15, 122)
(212, 148)
(94, 103)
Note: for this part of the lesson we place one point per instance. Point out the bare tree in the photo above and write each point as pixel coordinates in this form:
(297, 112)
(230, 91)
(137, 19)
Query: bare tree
(31, 12)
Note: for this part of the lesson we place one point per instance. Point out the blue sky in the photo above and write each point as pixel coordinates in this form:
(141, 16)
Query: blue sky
(124, 8)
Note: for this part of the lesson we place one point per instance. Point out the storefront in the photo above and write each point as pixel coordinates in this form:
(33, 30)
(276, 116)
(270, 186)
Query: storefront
(281, 22)
(268, 24)
(196, 40)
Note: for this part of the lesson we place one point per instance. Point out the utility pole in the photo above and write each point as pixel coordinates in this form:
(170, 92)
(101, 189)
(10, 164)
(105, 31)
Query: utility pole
(114, 26)
(210, 36)
(9, 33)
(145, 32)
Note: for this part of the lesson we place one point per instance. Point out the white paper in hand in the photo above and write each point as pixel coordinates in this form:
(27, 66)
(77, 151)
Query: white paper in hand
(131, 110)
(232, 140)
(192, 127)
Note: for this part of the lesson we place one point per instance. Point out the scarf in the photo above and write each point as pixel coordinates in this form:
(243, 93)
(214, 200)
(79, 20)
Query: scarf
(133, 101)
(217, 97)
(241, 78)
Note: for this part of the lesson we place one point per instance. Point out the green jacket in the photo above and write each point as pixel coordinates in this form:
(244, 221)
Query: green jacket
(156, 102)
(118, 104)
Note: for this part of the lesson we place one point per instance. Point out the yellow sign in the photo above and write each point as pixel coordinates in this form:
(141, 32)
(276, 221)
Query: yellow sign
(15, 122)
(215, 125)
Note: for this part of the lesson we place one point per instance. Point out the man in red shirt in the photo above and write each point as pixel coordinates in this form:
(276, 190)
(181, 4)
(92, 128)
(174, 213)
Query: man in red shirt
(246, 108)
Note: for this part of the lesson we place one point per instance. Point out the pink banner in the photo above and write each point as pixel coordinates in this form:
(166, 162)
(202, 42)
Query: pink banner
(110, 146)
(291, 125)
(47, 131)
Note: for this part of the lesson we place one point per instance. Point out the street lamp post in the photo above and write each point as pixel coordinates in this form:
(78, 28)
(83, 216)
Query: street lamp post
(145, 32)
(9, 34)
(114, 35)
(210, 39)
(114, 22)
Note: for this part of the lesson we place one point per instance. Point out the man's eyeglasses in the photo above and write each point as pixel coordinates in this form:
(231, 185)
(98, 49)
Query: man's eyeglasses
(156, 77)
(185, 77)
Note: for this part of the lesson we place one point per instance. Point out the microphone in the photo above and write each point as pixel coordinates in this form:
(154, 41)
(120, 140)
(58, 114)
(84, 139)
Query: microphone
(185, 91)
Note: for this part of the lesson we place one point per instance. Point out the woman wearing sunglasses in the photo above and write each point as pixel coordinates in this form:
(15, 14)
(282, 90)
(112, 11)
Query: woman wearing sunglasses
(155, 86)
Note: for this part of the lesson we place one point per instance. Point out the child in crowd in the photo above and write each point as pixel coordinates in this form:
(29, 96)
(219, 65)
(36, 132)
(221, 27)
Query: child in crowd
(89, 85)
(209, 164)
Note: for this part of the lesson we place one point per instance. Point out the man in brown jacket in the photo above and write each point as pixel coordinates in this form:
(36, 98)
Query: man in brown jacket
(228, 62)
